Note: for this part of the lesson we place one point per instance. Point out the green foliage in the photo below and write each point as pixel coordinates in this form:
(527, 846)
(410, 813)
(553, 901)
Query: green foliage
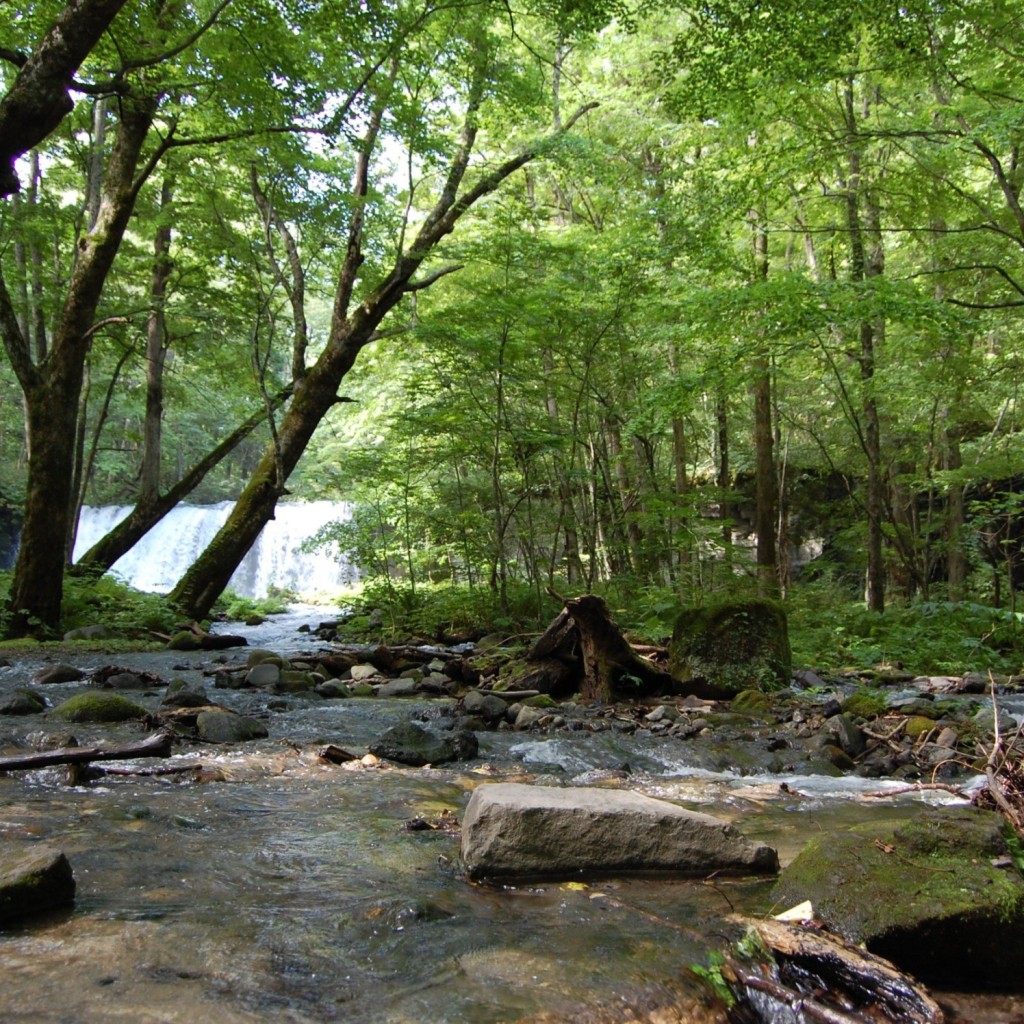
(828, 629)
(238, 608)
(108, 602)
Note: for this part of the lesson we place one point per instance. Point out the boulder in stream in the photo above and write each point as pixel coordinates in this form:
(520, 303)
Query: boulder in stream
(733, 646)
(514, 832)
(938, 896)
(32, 881)
(227, 727)
(59, 673)
(98, 706)
(416, 746)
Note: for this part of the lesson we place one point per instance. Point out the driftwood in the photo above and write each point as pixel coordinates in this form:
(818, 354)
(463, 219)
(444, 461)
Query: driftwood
(606, 668)
(157, 745)
(808, 964)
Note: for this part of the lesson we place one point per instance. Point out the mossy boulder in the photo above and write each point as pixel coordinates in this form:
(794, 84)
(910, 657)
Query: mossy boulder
(22, 702)
(869, 702)
(98, 706)
(32, 881)
(925, 894)
(733, 646)
(184, 640)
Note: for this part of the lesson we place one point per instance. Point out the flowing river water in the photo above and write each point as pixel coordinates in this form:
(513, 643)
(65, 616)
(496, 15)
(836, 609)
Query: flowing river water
(274, 887)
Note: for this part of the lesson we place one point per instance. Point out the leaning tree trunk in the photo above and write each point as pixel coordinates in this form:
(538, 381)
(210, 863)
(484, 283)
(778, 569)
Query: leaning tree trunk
(351, 330)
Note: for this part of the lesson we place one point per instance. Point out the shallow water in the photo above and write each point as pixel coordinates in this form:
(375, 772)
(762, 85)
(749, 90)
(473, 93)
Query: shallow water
(289, 891)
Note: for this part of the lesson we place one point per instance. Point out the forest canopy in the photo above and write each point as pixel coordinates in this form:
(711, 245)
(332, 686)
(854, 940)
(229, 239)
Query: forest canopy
(694, 297)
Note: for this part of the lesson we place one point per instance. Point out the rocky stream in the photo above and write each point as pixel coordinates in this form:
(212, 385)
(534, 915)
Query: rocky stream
(288, 874)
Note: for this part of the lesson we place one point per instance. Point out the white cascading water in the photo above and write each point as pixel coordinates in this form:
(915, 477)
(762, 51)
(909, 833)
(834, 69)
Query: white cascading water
(160, 559)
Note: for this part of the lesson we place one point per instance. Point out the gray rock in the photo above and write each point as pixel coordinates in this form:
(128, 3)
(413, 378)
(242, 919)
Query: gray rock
(227, 727)
(59, 673)
(412, 744)
(360, 672)
(513, 831)
(528, 717)
(95, 632)
(22, 702)
(34, 880)
(484, 705)
(264, 675)
(181, 694)
(985, 720)
(126, 681)
(398, 688)
(847, 733)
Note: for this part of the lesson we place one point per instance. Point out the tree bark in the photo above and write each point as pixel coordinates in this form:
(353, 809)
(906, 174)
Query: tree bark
(39, 99)
(157, 745)
(157, 347)
(766, 488)
(52, 389)
(351, 330)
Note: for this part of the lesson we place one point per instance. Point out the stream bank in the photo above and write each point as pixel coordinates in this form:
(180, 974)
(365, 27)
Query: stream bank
(271, 885)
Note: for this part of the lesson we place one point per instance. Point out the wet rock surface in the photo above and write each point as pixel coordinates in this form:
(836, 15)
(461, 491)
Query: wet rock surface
(33, 881)
(938, 896)
(514, 832)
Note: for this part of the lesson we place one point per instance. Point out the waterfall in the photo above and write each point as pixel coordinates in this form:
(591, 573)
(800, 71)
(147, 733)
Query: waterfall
(159, 560)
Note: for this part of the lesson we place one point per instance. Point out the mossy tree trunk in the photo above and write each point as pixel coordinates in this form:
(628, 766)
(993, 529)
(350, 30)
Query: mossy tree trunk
(352, 328)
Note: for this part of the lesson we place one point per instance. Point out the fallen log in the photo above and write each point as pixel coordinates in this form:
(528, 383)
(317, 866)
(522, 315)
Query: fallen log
(157, 745)
(831, 980)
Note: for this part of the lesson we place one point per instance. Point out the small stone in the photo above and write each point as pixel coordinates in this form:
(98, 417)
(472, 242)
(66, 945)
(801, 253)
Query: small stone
(264, 675)
(59, 673)
(361, 672)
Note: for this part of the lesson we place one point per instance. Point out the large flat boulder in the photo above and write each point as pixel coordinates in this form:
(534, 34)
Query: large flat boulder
(517, 832)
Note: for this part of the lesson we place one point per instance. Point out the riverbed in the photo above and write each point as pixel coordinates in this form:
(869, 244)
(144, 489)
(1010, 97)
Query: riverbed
(265, 884)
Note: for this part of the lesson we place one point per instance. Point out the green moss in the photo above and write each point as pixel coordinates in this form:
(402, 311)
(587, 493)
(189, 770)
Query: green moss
(917, 726)
(733, 646)
(920, 889)
(98, 707)
(751, 701)
(866, 703)
(542, 700)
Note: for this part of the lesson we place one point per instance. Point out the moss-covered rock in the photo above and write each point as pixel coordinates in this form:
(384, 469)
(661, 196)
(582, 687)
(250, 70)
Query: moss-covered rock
(923, 894)
(185, 640)
(32, 881)
(733, 646)
(869, 702)
(752, 702)
(259, 656)
(98, 706)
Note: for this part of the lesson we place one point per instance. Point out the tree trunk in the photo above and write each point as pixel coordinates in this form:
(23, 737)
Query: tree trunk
(52, 390)
(867, 261)
(157, 345)
(351, 330)
(765, 484)
(39, 99)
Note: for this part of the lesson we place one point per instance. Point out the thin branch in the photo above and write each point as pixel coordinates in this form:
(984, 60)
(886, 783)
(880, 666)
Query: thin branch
(426, 282)
(149, 62)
